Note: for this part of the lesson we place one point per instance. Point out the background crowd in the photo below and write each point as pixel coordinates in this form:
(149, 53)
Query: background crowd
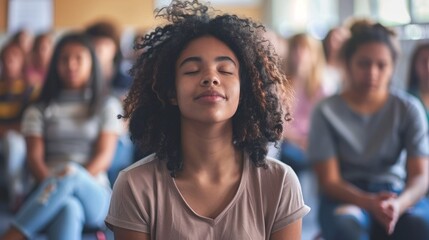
(60, 96)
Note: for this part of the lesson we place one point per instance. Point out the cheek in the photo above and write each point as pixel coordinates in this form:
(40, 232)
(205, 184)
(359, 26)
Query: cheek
(235, 92)
(86, 68)
(179, 95)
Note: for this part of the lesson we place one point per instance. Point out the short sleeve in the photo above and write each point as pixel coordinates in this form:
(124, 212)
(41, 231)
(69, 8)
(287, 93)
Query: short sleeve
(416, 130)
(124, 210)
(32, 122)
(109, 116)
(321, 143)
(291, 205)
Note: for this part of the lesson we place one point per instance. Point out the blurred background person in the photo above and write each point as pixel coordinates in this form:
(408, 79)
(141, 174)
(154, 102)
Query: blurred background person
(38, 62)
(71, 136)
(370, 147)
(15, 95)
(24, 38)
(105, 37)
(304, 67)
(333, 75)
(418, 75)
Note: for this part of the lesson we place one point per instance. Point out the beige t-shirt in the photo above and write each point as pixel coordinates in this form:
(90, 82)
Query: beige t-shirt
(146, 199)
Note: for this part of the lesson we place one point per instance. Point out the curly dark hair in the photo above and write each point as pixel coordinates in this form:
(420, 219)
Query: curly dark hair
(264, 99)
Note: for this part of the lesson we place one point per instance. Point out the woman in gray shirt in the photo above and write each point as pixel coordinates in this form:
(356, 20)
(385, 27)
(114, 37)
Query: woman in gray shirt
(370, 148)
(71, 135)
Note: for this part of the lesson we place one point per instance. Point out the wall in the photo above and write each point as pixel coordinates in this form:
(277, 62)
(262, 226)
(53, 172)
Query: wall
(78, 13)
(127, 13)
(3, 15)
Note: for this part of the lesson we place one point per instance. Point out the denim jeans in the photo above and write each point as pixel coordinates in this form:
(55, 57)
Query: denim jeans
(348, 222)
(63, 204)
(124, 156)
(14, 153)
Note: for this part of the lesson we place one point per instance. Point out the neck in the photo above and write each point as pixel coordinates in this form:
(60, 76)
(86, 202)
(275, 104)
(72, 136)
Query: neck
(208, 150)
(366, 103)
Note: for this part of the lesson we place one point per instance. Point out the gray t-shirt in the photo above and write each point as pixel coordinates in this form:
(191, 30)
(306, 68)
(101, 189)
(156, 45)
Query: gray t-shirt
(372, 147)
(146, 199)
(69, 133)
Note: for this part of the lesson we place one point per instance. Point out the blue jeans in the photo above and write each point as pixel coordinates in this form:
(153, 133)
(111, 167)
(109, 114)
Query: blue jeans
(124, 156)
(62, 205)
(14, 153)
(341, 221)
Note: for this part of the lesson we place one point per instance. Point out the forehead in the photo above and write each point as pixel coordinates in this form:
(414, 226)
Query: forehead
(204, 46)
(12, 51)
(374, 50)
(74, 47)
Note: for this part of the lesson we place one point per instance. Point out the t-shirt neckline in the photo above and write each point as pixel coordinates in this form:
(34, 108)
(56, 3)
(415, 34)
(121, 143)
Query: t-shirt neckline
(230, 205)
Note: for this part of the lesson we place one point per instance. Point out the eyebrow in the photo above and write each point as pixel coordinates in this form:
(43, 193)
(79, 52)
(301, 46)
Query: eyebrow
(199, 59)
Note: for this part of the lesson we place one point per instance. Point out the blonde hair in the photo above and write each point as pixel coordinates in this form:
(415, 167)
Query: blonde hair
(313, 81)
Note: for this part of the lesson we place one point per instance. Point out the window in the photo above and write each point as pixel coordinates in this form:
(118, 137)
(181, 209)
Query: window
(393, 12)
(313, 16)
(420, 11)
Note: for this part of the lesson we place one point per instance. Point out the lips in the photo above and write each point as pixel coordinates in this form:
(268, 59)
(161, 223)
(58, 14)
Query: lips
(210, 94)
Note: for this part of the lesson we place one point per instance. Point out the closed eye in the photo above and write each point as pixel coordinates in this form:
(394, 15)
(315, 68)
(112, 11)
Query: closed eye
(191, 72)
(226, 72)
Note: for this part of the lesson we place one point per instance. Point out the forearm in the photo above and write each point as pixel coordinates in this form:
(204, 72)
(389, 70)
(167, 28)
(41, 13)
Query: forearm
(98, 164)
(105, 150)
(348, 193)
(337, 188)
(415, 189)
(417, 182)
(36, 158)
(39, 170)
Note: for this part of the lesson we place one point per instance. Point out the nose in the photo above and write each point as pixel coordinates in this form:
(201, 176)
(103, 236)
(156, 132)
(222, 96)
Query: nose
(210, 80)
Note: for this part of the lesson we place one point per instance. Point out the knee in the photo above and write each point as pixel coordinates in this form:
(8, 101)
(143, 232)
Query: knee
(67, 171)
(72, 211)
(349, 227)
(347, 222)
(412, 227)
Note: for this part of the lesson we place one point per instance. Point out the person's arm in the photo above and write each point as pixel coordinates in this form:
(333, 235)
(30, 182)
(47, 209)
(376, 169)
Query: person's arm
(125, 234)
(290, 232)
(416, 187)
(36, 157)
(379, 204)
(335, 187)
(104, 152)
(417, 183)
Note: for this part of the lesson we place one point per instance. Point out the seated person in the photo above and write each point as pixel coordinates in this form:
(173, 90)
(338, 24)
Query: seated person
(71, 135)
(369, 146)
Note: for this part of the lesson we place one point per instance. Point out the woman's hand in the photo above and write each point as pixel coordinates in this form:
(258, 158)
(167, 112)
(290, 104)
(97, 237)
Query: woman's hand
(391, 210)
(385, 209)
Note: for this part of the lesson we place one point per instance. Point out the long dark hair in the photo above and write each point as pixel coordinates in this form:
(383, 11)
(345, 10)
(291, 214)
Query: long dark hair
(155, 122)
(53, 84)
(413, 79)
